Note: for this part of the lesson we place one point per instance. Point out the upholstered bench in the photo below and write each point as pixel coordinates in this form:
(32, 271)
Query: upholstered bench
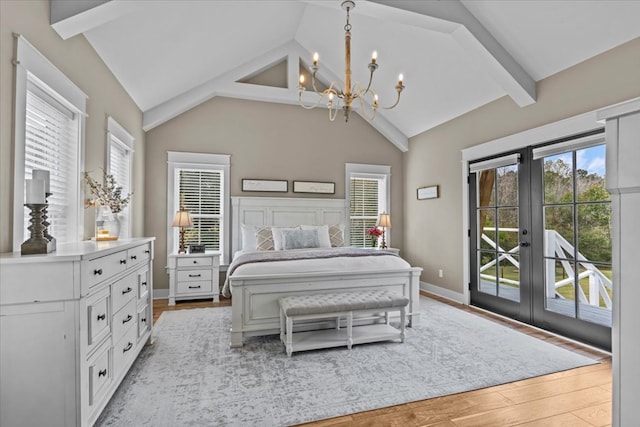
(336, 306)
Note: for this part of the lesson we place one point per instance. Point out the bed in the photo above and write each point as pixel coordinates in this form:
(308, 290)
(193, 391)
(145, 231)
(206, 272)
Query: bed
(257, 284)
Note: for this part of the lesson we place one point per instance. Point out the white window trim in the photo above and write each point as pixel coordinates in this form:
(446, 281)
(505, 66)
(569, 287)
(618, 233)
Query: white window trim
(117, 134)
(31, 65)
(360, 170)
(217, 162)
(572, 126)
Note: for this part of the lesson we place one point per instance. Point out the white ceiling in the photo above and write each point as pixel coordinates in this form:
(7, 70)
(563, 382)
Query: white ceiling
(455, 56)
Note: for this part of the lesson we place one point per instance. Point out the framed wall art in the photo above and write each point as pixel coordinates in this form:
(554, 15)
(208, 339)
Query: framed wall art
(314, 187)
(430, 192)
(273, 185)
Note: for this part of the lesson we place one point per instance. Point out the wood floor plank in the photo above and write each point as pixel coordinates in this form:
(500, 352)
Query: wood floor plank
(536, 409)
(598, 416)
(562, 420)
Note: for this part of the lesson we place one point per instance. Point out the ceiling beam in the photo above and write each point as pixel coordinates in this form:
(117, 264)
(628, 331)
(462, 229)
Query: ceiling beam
(72, 17)
(477, 42)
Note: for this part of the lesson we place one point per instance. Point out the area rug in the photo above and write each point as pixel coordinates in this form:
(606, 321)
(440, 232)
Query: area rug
(190, 376)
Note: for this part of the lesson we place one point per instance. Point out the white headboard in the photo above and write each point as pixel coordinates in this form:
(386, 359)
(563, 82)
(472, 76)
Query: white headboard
(280, 211)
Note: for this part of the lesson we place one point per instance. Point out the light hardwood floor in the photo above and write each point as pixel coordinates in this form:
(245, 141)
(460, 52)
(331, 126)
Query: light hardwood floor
(575, 398)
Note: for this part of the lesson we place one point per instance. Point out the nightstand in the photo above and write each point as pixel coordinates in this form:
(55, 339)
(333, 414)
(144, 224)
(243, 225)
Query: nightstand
(394, 250)
(194, 276)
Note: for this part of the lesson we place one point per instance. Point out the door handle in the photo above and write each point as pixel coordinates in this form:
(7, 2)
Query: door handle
(525, 244)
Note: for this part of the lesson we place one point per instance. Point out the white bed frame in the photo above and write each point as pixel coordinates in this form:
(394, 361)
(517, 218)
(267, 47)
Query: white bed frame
(255, 309)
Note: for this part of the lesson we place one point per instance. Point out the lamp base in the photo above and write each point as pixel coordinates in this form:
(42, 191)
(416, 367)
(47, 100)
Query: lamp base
(182, 249)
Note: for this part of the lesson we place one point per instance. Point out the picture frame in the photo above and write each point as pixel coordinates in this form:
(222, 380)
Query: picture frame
(196, 249)
(431, 192)
(314, 187)
(270, 185)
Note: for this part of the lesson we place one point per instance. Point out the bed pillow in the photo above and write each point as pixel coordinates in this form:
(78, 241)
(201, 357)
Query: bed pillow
(264, 238)
(336, 235)
(277, 236)
(323, 234)
(248, 233)
(300, 239)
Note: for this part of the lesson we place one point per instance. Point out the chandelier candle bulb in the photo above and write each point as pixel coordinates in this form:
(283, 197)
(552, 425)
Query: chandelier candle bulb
(374, 57)
(400, 78)
(315, 59)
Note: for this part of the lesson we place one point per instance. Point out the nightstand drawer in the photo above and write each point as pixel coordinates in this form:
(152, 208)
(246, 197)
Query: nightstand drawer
(197, 261)
(194, 275)
(185, 288)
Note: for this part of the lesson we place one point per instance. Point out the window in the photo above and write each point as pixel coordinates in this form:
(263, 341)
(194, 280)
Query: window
(119, 161)
(49, 120)
(199, 183)
(368, 194)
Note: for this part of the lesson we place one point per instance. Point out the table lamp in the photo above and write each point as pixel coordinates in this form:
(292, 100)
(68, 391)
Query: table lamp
(182, 220)
(384, 222)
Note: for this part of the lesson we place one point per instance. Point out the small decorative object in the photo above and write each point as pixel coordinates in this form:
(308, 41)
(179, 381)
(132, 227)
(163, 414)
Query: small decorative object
(35, 200)
(196, 249)
(428, 192)
(182, 220)
(108, 195)
(374, 233)
(384, 222)
(314, 187)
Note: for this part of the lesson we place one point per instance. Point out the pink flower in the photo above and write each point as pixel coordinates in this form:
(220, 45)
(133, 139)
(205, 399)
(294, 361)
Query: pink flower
(374, 232)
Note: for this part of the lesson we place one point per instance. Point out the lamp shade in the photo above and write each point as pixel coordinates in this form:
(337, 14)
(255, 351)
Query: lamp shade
(385, 220)
(182, 219)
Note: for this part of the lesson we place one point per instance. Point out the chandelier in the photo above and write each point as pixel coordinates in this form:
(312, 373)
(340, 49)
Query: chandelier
(335, 96)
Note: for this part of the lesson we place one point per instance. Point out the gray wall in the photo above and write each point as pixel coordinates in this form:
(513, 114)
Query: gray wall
(433, 236)
(266, 141)
(79, 62)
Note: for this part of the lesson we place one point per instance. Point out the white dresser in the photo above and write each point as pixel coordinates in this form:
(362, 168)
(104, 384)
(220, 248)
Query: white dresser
(72, 322)
(194, 276)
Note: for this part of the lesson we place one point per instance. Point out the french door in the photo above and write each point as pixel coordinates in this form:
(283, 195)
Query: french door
(540, 237)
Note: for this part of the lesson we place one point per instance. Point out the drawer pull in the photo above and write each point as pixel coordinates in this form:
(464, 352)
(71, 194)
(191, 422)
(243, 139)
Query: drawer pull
(126, 291)
(123, 261)
(97, 272)
(195, 275)
(147, 251)
(102, 316)
(102, 373)
(127, 348)
(129, 317)
(134, 257)
(143, 284)
(144, 319)
(195, 262)
(194, 287)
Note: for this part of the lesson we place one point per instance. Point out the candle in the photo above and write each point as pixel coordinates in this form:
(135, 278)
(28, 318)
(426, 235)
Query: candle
(374, 57)
(315, 58)
(400, 78)
(301, 80)
(44, 176)
(35, 192)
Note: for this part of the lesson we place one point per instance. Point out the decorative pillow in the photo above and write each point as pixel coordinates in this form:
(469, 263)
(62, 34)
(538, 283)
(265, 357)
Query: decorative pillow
(277, 236)
(248, 233)
(336, 235)
(323, 234)
(300, 239)
(264, 239)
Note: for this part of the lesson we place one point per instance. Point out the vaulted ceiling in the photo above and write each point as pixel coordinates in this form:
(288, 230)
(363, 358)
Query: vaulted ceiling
(455, 55)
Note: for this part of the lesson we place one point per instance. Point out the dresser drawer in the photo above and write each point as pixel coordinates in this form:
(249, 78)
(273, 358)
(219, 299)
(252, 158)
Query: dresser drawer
(98, 317)
(197, 261)
(124, 319)
(124, 350)
(189, 288)
(144, 320)
(139, 254)
(100, 269)
(100, 375)
(194, 275)
(124, 290)
(143, 284)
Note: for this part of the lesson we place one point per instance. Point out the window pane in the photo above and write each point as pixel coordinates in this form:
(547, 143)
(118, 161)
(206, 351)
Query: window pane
(486, 188)
(487, 229)
(560, 290)
(363, 209)
(201, 194)
(488, 278)
(590, 174)
(508, 229)
(558, 225)
(508, 185)
(509, 277)
(594, 231)
(558, 178)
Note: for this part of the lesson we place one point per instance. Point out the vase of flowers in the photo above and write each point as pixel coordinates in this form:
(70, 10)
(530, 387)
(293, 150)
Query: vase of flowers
(374, 233)
(110, 202)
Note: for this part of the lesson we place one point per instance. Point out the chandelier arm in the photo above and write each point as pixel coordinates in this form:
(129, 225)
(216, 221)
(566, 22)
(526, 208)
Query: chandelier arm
(397, 100)
(363, 111)
(371, 69)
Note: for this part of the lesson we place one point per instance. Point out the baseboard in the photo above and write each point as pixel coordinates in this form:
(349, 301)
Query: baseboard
(442, 292)
(160, 293)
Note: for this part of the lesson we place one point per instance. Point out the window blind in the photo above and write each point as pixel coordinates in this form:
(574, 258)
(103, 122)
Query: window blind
(498, 162)
(567, 146)
(364, 207)
(51, 143)
(201, 194)
(120, 168)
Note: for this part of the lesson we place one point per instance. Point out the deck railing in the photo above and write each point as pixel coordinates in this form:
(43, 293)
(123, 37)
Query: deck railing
(556, 249)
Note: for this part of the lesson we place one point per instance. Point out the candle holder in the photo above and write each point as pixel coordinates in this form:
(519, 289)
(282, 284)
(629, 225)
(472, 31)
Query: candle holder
(37, 243)
(46, 223)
